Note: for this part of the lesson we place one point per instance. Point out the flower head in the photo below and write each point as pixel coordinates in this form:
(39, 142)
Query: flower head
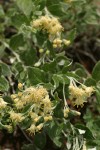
(32, 129)
(16, 117)
(3, 104)
(49, 24)
(79, 95)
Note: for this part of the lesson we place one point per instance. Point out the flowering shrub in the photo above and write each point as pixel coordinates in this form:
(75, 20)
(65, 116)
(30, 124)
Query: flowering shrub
(43, 93)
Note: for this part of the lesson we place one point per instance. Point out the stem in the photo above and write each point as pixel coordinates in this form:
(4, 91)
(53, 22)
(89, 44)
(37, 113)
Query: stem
(25, 135)
(64, 96)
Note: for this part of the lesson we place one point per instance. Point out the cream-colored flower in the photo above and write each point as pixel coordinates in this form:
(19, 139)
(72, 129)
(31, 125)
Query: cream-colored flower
(33, 115)
(47, 105)
(37, 119)
(88, 90)
(76, 92)
(39, 106)
(66, 111)
(32, 129)
(36, 23)
(20, 94)
(16, 117)
(39, 127)
(20, 86)
(77, 95)
(13, 96)
(41, 50)
(49, 24)
(16, 100)
(34, 95)
(57, 42)
(66, 42)
(47, 118)
(9, 128)
(3, 104)
(19, 105)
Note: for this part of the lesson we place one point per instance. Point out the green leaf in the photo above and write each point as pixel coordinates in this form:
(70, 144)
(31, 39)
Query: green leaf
(57, 79)
(8, 99)
(40, 140)
(25, 6)
(80, 72)
(48, 86)
(88, 134)
(54, 131)
(90, 82)
(35, 75)
(91, 19)
(71, 35)
(50, 67)
(58, 114)
(60, 78)
(98, 95)
(40, 38)
(96, 71)
(18, 66)
(5, 69)
(29, 57)
(29, 147)
(42, 4)
(16, 41)
(56, 10)
(4, 85)
(1, 11)
(26, 123)
(18, 20)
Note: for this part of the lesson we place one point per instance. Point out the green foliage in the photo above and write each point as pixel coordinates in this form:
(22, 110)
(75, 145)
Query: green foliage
(96, 72)
(16, 41)
(25, 6)
(4, 85)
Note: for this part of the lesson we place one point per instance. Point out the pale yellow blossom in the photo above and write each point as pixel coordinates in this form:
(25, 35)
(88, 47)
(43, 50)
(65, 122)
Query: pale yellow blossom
(32, 129)
(79, 95)
(49, 24)
(16, 117)
(39, 127)
(66, 111)
(3, 104)
(20, 86)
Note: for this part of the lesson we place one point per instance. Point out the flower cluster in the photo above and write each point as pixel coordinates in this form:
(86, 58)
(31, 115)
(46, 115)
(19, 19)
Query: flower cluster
(3, 104)
(53, 27)
(58, 42)
(79, 95)
(49, 24)
(40, 107)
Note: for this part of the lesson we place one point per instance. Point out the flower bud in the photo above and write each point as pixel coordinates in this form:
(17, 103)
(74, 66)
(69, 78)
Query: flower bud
(47, 52)
(41, 50)
(20, 86)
